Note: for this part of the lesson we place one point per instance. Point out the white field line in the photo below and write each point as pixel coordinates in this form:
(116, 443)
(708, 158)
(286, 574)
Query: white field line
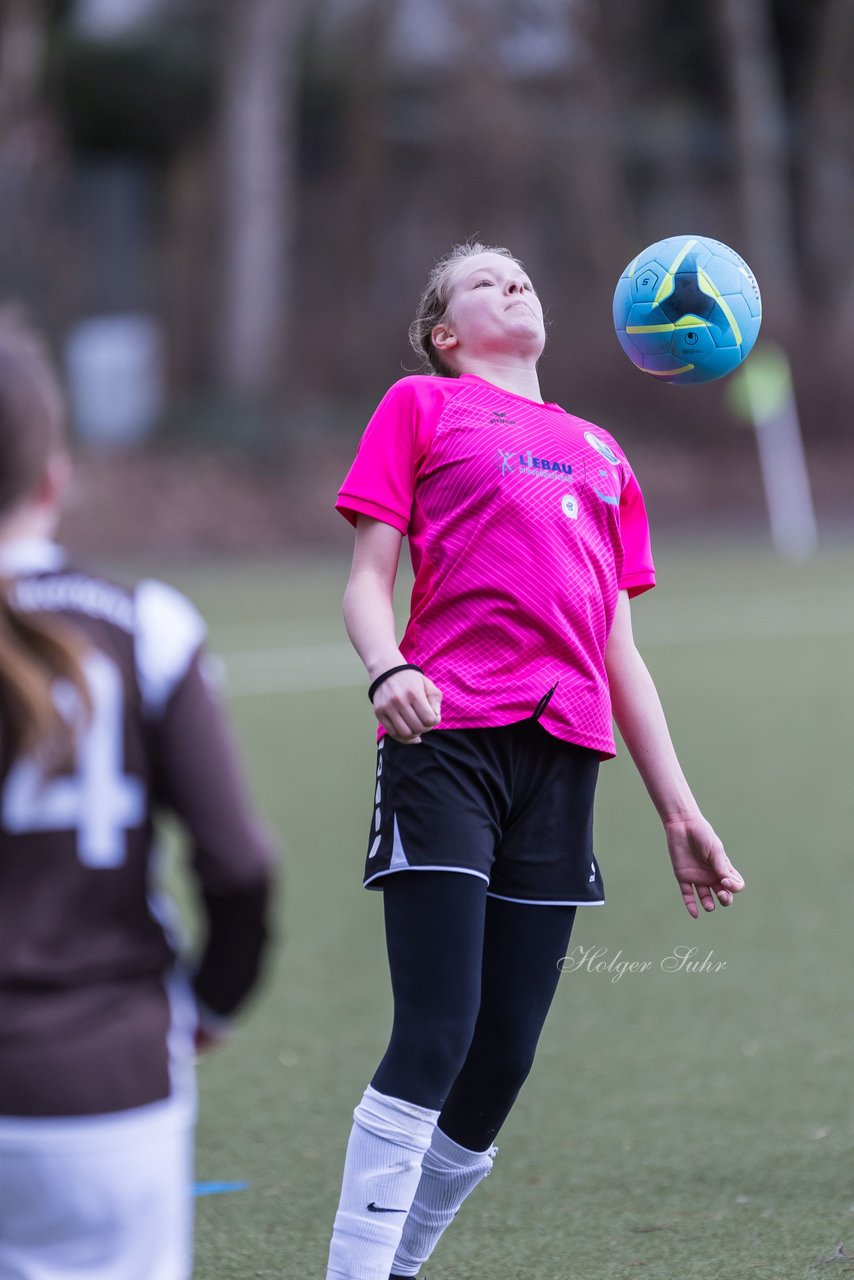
(291, 669)
(312, 668)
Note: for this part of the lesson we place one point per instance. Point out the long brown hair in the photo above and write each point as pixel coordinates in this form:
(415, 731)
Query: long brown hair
(35, 649)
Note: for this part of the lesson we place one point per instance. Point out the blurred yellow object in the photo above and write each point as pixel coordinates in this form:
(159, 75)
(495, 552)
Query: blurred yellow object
(763, 395)
(763, 384)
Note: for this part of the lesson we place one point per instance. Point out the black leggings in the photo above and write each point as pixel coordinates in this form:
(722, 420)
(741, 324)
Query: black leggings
(473, 978)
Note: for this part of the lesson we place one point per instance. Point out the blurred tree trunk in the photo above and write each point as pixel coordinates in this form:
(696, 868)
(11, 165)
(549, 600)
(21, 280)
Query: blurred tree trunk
(761, 151)
(190, 244)
(365, 184)
(23, 41)
(827, 151)
(32, 163)
(575, 147)
(259, 40)
(350, 198)
(595, 182)
(485, 123)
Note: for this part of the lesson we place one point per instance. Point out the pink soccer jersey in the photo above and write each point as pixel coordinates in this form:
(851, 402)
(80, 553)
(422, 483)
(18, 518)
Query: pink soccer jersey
(524, 523)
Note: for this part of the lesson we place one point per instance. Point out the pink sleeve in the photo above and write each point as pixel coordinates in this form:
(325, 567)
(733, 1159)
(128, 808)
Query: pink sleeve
(381, 481)
(638, 569)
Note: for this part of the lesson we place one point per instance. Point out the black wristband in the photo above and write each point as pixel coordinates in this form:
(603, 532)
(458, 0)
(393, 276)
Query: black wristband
(392, 671)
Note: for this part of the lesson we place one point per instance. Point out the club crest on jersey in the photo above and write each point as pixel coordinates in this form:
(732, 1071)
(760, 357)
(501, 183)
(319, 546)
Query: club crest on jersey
(602, 448)
(569, 506)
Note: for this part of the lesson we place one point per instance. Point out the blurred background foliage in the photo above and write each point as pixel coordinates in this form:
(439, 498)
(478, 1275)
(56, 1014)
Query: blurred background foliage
(269, 181)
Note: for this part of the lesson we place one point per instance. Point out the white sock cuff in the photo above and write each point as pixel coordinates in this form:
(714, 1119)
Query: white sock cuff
(401, 1122)
(459, 1157)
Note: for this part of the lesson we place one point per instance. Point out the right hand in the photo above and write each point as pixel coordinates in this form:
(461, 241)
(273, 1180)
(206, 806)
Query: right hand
(407, 705)
(700, 864)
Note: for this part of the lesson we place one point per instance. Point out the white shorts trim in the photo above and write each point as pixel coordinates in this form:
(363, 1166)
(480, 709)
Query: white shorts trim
(546, 902)
(391, 871)
(467, 871)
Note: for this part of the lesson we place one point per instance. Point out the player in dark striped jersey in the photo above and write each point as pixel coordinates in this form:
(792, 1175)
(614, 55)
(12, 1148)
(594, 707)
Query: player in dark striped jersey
(106, 718)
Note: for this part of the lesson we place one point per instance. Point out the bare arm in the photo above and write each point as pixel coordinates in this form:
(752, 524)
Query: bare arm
(700, 862)
(407, 704)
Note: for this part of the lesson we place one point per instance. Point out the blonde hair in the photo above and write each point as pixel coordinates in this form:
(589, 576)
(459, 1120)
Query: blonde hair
(435, 300)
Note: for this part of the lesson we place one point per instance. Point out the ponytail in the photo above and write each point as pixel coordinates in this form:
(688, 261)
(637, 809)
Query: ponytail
(35, 651)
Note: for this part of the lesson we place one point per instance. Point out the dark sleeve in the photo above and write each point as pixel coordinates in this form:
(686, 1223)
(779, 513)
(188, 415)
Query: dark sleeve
(198, 777)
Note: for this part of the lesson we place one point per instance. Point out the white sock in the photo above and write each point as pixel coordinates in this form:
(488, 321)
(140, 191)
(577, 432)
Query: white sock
(381, 1173)
(449, 1173)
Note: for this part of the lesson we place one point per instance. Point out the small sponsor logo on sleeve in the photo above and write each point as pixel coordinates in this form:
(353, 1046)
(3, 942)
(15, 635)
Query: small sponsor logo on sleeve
(602, 448)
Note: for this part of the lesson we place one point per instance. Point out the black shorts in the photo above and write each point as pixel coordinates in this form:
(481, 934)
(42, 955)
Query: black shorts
(512, 805)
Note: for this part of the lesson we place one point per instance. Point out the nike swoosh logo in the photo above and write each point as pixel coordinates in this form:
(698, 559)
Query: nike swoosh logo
(373, 1207)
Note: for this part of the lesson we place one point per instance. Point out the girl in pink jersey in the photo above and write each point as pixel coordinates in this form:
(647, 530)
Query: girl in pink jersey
(528, 537)
(106, 721)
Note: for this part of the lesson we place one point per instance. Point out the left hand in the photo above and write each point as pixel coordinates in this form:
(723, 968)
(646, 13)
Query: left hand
(701, 865)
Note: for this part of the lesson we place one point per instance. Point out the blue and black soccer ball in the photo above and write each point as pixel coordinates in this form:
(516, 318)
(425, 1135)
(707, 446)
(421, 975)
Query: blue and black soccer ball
(687, 309)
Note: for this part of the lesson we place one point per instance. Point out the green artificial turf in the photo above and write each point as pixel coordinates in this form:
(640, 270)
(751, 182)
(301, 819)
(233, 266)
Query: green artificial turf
(678, 1125)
